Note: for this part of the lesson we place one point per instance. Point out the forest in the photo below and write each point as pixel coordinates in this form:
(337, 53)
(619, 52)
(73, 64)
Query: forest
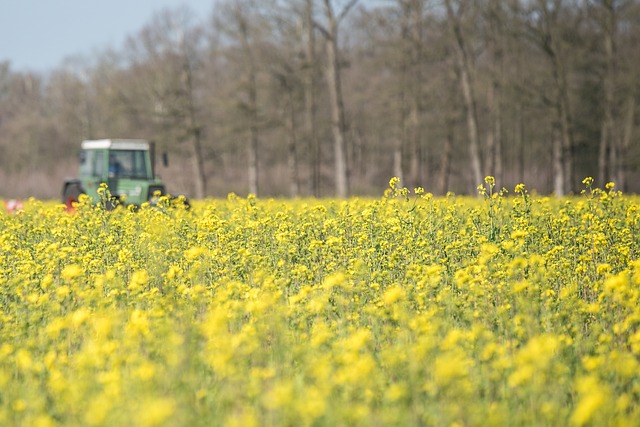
(332, 98)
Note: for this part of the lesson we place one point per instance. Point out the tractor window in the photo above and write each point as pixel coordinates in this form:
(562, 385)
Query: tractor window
(128, 164)
(91, 163)
(99, 164)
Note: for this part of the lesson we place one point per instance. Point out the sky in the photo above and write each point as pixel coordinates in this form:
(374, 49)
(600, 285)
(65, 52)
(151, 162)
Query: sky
(38, 35)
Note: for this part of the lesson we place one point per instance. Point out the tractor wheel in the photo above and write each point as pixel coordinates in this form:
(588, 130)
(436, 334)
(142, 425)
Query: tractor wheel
(71, 195)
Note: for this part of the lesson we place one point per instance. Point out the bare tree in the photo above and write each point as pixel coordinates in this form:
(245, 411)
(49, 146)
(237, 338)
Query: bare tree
(244, 23)
(445, 157)
(310, 79)
(625, 142)
(465, 73)
(544, 26)
(611, 153)
(164, 54)
(193, 127)
(412, 39)
(251, 106)
(330, 33)
(605, 13)
(292, 150)
(287, 89)
(495, 41)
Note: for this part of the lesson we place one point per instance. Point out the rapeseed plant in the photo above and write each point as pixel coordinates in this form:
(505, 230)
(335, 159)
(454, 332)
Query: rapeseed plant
(404, 310)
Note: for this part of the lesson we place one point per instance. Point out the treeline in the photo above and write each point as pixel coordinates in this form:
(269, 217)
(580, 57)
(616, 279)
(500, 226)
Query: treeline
(334, 97)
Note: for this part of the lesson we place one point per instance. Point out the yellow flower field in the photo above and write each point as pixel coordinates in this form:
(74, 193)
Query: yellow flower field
(509, 309)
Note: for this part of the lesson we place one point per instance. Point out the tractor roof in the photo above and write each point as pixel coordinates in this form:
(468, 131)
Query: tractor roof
(116, 144)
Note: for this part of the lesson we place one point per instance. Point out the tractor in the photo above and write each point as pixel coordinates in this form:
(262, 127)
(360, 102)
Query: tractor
(126, 166)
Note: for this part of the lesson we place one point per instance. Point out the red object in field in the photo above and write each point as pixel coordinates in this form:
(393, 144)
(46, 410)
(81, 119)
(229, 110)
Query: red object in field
(12, 205)
(69, 206)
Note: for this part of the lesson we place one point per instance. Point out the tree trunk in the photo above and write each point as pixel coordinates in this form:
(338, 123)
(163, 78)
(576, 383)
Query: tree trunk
(625, 142)
(337, 104)
(557, 164)
(607, 148)
(252, 107)
(193, 127)
(565, 127)
(252, 147)
(445, 159)
(490, 153)
(415, 45)
(310, 101)
(551, 47)
(496, 43)
(398, 169)
(292, 156)
(465, 71)
(337, 121)
(415, 138)
(498, 172)
(402, 141)
(198, 165)
(519, 143)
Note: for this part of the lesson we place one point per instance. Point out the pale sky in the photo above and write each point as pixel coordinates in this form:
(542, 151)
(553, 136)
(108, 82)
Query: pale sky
(37, 35)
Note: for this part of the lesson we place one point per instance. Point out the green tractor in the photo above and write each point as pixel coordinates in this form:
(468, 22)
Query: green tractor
(126, 166)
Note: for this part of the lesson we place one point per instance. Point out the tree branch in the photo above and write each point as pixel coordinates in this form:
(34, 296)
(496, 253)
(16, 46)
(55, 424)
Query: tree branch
(320, 28)
(346, 10)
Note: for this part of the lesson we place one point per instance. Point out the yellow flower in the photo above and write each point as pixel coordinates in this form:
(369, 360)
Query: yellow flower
(451, 367)
(24, 361)
(244, 417)
(19, 405)
(79, 316)
(320, 334)
(312, 404)
(194, 252)
(43, 420)
(592, 396)
(146, 371)
(280, 395)
(174, 272)
(138, 323)
(392, 295)
(47, 280)
(518, 234)
(395, 392)
(155, 412)
(71, 272)
(98, 410)
(138, 280)
(62, 292)
(334, 280)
